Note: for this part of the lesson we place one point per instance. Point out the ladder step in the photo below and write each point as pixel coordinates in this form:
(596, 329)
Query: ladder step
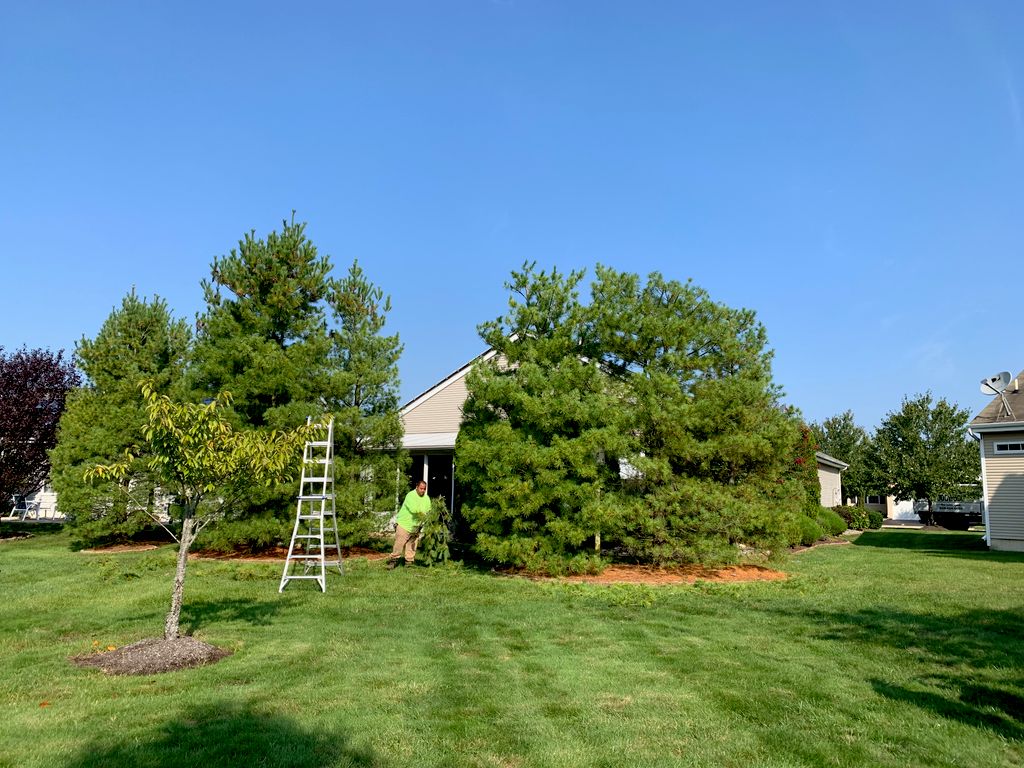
(289, 578)
(304, 557)
(318, 443)
(318, 479)
(316, 497)
(307, 536)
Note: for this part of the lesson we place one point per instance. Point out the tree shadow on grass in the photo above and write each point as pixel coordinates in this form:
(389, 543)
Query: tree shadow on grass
(226, 735)
(969, 546)
(978, 652)
(980, 706)
(200, 613)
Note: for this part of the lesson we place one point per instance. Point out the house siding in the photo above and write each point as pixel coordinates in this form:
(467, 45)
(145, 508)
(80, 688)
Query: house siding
(831, 489)
(1004, 479)
(442, 412)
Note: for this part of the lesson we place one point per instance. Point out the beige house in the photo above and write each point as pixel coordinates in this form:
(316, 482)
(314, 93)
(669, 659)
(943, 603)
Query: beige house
(431, 422)
(999, 429)
(829, 472)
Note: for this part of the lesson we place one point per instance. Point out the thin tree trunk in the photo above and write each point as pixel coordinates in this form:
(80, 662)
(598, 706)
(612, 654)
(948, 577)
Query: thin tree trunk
(184, 543)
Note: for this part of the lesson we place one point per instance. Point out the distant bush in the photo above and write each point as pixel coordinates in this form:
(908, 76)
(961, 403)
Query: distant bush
(810, 531)
(875, 519)
(855, 517)
(831, 521)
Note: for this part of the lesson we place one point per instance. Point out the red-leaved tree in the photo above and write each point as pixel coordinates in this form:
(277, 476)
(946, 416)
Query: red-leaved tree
(33, 387)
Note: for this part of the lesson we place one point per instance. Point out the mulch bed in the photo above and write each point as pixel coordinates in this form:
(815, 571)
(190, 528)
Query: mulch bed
(688, 574)
(152, 656)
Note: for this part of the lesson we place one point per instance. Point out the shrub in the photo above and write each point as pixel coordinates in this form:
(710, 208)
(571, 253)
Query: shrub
(249, 535)
(810, 531)
(831, 521)
(855, 517)
(436, 533)
(874, 519)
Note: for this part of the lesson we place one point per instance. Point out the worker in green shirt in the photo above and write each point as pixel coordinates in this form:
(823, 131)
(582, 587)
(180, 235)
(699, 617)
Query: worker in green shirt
(410, 518)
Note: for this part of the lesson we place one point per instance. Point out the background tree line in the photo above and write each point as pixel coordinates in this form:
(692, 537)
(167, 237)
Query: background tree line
(920, 452)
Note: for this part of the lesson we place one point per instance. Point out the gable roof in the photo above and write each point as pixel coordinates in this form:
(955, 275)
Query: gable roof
(830, 461)
(446, 382)
(994, 418)
(431, 420)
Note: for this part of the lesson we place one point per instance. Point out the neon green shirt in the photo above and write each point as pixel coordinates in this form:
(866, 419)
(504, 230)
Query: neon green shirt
(414, 509)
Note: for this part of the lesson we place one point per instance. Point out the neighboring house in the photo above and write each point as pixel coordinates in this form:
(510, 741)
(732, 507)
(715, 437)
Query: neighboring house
(892, 509)
(431, 422)
(999, 429)
(829, 472)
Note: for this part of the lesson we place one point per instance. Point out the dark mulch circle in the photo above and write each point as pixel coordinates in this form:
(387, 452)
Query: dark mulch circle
(152, 656)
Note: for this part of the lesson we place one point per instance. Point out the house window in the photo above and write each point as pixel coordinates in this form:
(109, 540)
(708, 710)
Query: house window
(1009, 448)
(876, 499)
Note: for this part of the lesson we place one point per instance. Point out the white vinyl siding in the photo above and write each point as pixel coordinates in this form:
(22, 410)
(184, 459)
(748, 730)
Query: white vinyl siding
(1004, 478)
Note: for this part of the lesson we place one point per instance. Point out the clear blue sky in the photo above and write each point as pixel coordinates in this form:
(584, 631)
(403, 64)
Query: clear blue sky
(852, 170)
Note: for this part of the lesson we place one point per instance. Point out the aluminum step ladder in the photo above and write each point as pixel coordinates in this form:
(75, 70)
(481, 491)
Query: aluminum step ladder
(314, 547)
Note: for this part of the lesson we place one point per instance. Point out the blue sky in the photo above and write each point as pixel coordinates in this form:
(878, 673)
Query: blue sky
(853, 171)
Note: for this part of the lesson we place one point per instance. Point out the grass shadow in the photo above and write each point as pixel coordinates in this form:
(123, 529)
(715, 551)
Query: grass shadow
(225, 735)
(969, 546)
(198, 614)
(979, 706)
(979, 648)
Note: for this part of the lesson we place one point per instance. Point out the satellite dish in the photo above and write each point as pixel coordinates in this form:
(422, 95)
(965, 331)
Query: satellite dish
(994, 385)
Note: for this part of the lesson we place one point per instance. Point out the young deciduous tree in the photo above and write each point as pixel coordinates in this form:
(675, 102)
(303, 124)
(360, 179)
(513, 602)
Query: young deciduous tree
(33, 387)
(922, 451)
(841, 437)
(207, 465)
(363, 395)
(139, 340)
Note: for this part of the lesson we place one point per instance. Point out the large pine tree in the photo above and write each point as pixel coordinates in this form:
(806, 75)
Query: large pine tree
(263, 336)
(646, 420)
(363, 395)
(541, 432)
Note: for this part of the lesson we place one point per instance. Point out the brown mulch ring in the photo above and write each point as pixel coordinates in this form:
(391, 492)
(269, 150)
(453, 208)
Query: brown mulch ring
(152, 656)
(686, 574)
(120, 548)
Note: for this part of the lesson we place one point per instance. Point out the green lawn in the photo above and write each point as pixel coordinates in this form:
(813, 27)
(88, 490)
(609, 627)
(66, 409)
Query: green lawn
(904, 649)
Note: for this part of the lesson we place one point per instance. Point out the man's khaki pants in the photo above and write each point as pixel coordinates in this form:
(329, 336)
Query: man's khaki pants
(405, 544)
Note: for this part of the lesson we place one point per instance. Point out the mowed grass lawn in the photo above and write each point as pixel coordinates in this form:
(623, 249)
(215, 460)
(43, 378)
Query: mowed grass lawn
(903, 649)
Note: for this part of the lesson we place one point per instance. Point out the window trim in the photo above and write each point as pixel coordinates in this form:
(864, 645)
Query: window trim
(1016, 451)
